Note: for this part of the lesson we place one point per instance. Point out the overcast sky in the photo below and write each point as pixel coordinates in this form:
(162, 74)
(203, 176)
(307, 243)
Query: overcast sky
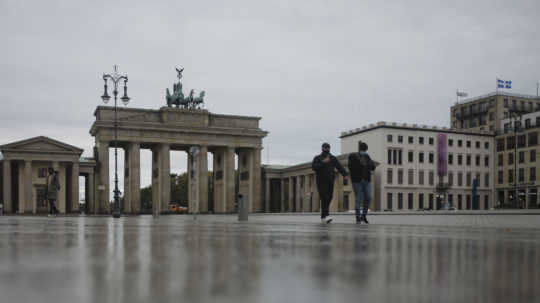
(310, 69)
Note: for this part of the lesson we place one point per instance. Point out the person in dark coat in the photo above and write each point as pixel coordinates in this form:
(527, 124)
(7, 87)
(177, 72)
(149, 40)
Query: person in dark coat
(360, 167)
(53, 186)
(324, 166)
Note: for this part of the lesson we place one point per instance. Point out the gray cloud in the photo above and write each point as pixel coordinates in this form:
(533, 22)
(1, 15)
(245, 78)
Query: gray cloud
(311, 69)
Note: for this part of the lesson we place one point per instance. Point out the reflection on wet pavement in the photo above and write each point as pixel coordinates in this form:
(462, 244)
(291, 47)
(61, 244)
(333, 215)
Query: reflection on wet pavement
(268, 259)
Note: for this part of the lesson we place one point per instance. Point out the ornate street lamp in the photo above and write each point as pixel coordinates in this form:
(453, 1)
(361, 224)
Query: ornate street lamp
(115, 78)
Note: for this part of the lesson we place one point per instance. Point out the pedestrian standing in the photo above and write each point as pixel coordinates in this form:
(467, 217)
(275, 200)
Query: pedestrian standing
(324, 166)
(53, 186)
(360, 168)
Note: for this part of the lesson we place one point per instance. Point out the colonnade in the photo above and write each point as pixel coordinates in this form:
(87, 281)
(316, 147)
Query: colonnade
(228, 181)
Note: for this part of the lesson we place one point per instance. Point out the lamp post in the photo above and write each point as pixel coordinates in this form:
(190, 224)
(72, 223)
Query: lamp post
(514, 117)
(115, 78)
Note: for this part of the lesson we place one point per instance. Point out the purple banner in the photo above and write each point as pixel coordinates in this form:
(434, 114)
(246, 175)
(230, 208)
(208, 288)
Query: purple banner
(442, 154)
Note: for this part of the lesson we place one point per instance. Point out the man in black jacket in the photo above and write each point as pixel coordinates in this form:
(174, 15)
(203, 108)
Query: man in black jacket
(360, 167)
(324, 166)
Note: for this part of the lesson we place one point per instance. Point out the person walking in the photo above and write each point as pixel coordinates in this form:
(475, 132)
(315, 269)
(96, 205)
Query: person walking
(360, 168)
(53, 186)
(324, 166)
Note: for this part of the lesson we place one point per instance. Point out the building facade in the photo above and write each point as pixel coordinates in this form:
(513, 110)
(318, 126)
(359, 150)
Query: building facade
(516, 162)
(486, 112)
(409, 156)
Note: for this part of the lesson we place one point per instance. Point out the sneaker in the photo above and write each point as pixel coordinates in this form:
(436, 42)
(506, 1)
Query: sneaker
(363, 218)
(328, 220)
(49, 215)
(358, 220)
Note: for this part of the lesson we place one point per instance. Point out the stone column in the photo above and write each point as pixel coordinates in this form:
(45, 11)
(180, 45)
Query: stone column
(28, 203)
(203, 179)
(255, 180)
(164, 172)
(267, 195)
(103, 194)
(291, 194)
(61, 199)
(91, 203)
(229, 179)
(282, 197)
(299, 196)
(132, 179)
(7, 199)
(74, 191)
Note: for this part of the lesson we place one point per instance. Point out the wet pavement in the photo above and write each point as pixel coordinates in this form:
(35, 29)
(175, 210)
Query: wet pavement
(272, 258)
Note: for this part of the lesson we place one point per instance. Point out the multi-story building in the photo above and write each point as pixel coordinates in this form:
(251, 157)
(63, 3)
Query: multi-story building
(409, 157)
(516, 153)
(486, 112)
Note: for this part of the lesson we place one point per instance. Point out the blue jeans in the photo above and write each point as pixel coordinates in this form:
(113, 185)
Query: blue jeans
(361, 189)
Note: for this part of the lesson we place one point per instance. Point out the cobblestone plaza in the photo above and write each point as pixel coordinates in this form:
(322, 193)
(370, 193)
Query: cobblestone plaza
(271, 258)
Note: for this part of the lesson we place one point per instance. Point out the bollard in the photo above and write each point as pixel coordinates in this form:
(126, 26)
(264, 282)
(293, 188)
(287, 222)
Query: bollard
(242, 207)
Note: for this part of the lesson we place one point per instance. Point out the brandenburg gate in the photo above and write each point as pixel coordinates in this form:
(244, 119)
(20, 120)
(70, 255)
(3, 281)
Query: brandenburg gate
(178, 129)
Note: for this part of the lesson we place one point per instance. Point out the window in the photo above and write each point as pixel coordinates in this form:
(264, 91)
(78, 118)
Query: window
(389, 138)
(486, 161)
(468, 160)
(469, 176)
(460, 179)
(411, 177)
(431, 178)
(451, 199)
(510, 158)
(421, 157)
(430, 201)
(459, 143)
(421, 140)
(42, 172)
(460, 159)
(486, 180)
(450, 178)
(486, 145)
(411, 140)
(521, 174)
(500, 177)
(400, 139)
(500, 145)
(399, 157)
(431, 141)
(533, 155)
(521, 141)
(506, 103)
(533, 138)
(500, 160)
(450, 159)
(450, 142)
(410, 201)
(491, 116)
(510, 142)
(400, 200)
(420, 200)
(532, 174)
(411, 156)
(394, 156)
(421, 177)
(477, 144)
(468, 198)
(527, 123)
(477, 179)
(389, 201)
(389, 175)
(477, 160)
(431, 158)
(468, 144)
(400, 176)
(389, 156)
(510, 176)
(459, 201)
(521, 156)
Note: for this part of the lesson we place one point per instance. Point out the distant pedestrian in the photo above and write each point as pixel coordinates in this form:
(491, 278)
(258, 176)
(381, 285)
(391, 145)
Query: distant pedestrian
(53, 186)
(360, 168)
(324, 166)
